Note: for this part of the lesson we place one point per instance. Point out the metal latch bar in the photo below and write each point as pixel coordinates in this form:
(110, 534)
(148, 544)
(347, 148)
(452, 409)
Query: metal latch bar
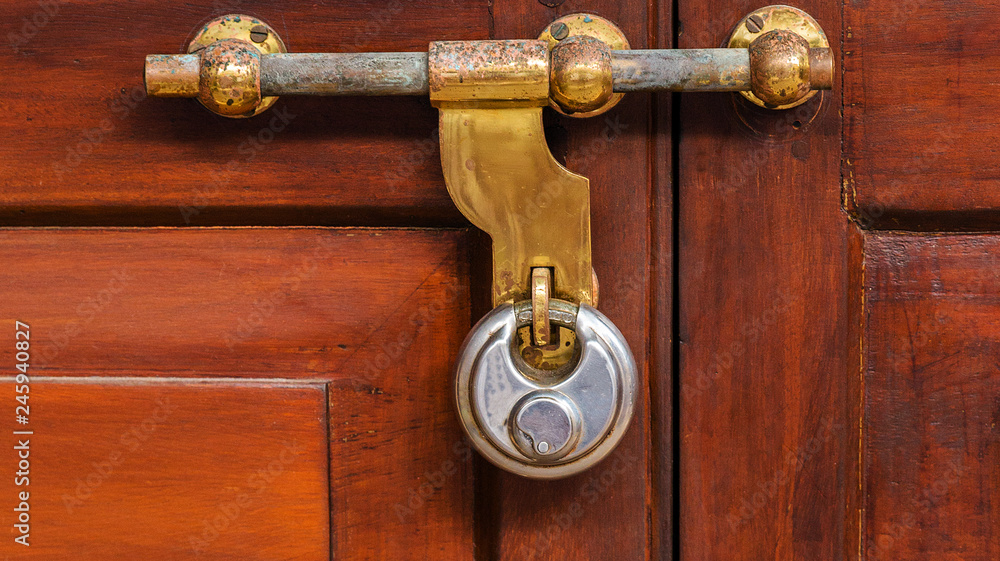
(389, 74)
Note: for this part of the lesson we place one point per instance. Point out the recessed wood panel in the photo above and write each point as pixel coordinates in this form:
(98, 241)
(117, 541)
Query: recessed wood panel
(919, 106)
(380, 313)
(932, 397)
(170, 470)
(247, 302)
(85, 146)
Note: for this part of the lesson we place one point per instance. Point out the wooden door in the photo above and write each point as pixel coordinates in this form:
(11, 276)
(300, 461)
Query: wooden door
(241, 331)
(837, 322)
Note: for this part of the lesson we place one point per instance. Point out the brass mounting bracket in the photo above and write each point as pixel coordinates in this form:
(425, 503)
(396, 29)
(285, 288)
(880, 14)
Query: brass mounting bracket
(498, 168)
(497, 165)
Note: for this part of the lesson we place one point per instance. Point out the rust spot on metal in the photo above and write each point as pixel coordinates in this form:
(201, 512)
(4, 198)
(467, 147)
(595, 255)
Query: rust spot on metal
(677, 70)
(345, 74)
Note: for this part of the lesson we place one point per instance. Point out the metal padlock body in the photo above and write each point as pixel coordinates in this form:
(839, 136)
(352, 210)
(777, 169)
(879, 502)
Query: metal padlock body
(594, 400)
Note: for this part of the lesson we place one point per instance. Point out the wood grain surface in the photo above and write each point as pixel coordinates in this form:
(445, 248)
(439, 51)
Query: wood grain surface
(84, 146)
(932, 397)
(172, 470)
(269, 302)
(919, 131)
(767, 320)
(794, 443)
(378, 313)
(663, 412)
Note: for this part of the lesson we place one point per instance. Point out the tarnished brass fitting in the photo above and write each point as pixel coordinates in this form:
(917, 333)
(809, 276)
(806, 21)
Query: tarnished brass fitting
(581, 65)
(577, 78)
(580, 77)
(779, 67)
(229, 81)
(789, 55)
(222, 68)
(172, 75)
(478, 72)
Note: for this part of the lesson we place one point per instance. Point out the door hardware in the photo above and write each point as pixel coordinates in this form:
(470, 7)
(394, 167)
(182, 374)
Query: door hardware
(539, 423)
(544, 418)
(777, 69)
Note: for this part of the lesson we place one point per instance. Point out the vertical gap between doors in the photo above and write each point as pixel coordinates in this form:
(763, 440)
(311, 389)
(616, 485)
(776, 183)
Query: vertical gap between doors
(675, 305)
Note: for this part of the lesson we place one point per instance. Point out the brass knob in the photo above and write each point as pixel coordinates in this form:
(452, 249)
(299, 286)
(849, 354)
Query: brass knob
(229, 81)
(779, 67)
(580, 74)
(784, 69)
(789, 56)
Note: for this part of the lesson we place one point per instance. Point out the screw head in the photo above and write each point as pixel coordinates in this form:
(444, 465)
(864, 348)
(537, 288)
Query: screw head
(755, 23)
(259, 33)
(559, 31)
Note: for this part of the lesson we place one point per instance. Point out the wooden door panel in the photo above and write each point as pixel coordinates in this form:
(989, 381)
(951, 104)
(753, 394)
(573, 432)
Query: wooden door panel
(379, 313)
(767, 324)
(174, 470)
(86, 147)
(376, 314)
(932, 397)
(919, 136)
(919, 155)
(402, 470)
(247, 302)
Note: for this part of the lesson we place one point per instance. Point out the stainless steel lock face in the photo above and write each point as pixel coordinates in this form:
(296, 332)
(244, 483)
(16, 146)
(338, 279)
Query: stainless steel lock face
(545, 424)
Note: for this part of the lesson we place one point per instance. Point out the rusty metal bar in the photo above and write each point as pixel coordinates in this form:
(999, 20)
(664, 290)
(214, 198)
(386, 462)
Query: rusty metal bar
(700, 70)
(383, 74)
(344, 74)
(677, 70)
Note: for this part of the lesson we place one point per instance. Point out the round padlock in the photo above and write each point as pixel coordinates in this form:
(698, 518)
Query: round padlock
(538, 423)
